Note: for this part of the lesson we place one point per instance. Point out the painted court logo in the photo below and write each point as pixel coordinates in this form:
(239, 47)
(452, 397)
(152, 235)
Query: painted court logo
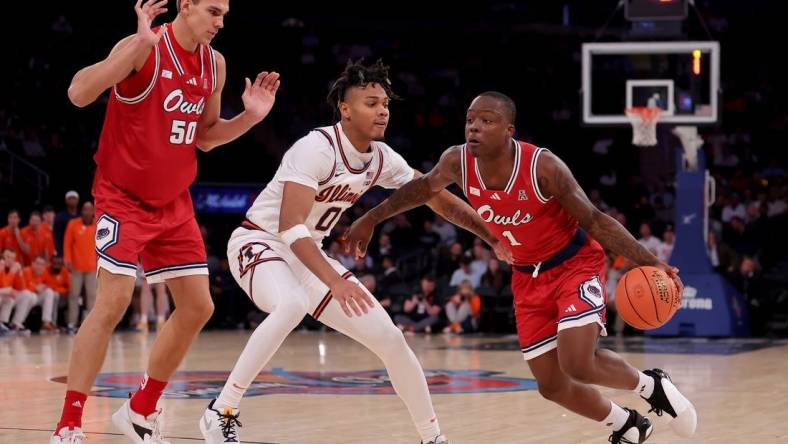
(208, 384)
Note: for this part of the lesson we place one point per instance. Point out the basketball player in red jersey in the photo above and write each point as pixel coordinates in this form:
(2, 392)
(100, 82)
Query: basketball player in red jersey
(530, 200)
(164, 100)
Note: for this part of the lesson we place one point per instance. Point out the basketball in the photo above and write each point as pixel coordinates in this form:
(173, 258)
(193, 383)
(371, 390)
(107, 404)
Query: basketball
(646, 298)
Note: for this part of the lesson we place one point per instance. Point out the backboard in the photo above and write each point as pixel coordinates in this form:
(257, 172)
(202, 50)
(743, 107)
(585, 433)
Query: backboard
(682, 78)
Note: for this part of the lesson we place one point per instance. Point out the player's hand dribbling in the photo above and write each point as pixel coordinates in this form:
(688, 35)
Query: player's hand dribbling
(503, 252)
(351, 297)
(259, 96)
(145, 15)
(357, 237)
(673, 274)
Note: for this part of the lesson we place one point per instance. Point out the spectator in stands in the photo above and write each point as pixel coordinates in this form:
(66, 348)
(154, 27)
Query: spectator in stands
(162, 305)
(390, 276)
(58, 278)
(369, 282)
(336, 251)
(445, 230)
(422, 311)
(652, 243)
(36, 292)
(12, 283)
(465, 272)
(48, 222)
(777, 205)
(79, 251)
(463, 310)
(733, 208)
(62, 218)
(11, 236)
(39, 240)
(495, 277)
(480, 256)
(665, 248)
(428, 238)
(449, 260)
(401, 232)
(384, 247)
(739, 237)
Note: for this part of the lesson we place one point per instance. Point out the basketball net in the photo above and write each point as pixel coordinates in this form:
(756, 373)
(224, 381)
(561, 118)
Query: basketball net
(691, 141)
(644, 124)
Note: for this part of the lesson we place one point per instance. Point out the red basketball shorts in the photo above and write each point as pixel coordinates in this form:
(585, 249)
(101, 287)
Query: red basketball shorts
(571, 294)
(166, 240)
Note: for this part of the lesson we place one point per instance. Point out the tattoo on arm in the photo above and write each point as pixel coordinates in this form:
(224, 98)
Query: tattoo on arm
(459, 213)
(554, 179)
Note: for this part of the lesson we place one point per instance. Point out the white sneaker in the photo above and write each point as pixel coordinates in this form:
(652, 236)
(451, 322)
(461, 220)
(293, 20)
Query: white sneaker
(667, 398)
(68, 435)
(220, 427)
(140, 429)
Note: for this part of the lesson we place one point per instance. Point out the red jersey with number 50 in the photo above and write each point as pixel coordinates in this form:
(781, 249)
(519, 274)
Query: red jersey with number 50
(535, 227)
(147, 144)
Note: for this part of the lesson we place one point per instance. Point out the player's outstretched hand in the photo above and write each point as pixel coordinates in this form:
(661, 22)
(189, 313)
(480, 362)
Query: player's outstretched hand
(503, 252)
(259, 96)
(351, 296)
(673, 274)
(145, 15)
(357, 237)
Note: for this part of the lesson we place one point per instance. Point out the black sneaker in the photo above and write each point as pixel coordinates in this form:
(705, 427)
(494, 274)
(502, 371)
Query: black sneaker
(636, 430)
(666, 398)
(440, 439)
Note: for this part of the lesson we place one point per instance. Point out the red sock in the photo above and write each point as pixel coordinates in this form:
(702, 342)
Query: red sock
(144, 401)
(72, 410)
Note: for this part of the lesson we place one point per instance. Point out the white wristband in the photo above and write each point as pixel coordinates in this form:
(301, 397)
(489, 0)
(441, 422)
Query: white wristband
(294, 233)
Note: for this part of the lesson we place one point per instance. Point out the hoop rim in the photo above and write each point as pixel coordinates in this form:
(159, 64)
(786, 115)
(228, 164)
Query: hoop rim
(647, 114)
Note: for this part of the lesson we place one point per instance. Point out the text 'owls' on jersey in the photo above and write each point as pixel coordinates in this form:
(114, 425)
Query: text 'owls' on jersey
(327, 162)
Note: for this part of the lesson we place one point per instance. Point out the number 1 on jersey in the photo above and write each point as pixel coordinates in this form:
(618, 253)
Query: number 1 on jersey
(508, 235)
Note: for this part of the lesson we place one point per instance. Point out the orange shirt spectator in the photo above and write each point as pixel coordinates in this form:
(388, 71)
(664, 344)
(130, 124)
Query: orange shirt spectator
(12, 277)
(31, 279)
(38, 238)
(79, 244)
(8, 235)
(58, 280)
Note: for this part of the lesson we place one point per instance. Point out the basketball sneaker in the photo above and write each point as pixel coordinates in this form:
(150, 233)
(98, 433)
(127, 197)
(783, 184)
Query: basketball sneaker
(667, 398)
(440, 439)
(636, 430)
(140, 429)
(68, 435)
(220, 427)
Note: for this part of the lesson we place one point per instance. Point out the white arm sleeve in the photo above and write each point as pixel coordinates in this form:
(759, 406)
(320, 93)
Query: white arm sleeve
(396, 171)
(308, 161)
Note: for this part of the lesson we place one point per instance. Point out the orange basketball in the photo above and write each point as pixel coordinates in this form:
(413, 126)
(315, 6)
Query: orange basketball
(646, 298)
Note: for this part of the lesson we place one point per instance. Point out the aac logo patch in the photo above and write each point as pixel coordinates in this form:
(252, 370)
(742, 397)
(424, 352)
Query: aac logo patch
(208, 384)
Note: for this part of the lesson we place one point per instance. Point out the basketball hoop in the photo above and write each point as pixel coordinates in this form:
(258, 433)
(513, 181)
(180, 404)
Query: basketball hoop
(644, 125)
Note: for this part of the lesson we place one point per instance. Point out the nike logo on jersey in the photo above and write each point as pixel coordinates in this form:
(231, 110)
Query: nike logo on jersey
(339, 174)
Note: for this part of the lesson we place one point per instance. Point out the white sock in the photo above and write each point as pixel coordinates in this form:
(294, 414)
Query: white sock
(645, 387)
(428, 429)
(616, 418)
(144, 318)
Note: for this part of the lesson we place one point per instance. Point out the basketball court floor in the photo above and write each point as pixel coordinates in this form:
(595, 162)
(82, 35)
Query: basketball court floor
(325, 388)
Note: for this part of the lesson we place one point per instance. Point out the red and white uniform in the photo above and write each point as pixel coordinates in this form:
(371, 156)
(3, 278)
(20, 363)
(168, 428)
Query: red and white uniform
(146, 162)
(558, 280)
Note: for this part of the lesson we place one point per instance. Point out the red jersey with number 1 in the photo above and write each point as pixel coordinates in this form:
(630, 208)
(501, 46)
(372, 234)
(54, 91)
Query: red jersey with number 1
(535, 227)
(147, 144)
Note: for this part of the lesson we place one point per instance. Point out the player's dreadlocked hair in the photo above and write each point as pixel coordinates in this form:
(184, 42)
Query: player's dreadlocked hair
(356, 74)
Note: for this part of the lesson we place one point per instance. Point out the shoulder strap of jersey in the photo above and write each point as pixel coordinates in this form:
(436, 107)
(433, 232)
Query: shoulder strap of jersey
(464, 168)
(334, 167)
(535, 153)
(214, 69)
(380, 166)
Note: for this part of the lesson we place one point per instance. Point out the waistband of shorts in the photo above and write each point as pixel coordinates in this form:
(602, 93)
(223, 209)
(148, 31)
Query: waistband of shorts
(572, 247)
